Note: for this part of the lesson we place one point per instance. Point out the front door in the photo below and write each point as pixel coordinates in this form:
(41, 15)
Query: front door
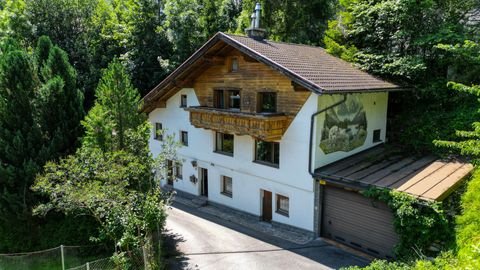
(204, 182)
(267, 206)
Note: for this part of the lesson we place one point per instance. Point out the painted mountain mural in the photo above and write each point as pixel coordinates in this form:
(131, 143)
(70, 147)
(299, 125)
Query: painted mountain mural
(345, 127)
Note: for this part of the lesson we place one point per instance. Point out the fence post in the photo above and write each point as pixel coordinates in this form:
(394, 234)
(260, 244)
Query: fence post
(88, 266)
(145, 263)
(63, 257)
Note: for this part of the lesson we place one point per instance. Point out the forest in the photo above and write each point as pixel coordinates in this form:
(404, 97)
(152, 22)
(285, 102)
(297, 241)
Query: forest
(72, 73)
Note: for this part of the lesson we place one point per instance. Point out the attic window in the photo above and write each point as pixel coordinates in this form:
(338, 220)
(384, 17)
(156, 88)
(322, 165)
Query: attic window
(234, 66)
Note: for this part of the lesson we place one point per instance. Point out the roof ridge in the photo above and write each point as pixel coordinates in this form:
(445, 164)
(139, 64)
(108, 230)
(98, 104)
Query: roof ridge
(280, 42)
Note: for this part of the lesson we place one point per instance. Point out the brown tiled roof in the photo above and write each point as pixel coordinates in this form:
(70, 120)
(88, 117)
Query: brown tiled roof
(310, 67)
(426, 177)
(314, 64)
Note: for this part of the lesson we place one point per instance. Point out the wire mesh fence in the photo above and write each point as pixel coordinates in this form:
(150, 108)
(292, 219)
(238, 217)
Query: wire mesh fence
(44, 259)
(62, 257)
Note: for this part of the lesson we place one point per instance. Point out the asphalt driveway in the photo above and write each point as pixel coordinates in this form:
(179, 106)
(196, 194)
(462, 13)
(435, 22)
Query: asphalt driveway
(207, 242)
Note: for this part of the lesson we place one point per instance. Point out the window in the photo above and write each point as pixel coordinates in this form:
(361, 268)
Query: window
(183, 101)
(267, 102)
(170, 172)
(184, 138)
(157, 135)
(234, 67)
(178, 171)
(376, 135)
(227, 186)
(282, 205)
(224, 143)
(267, 152)
(227, 99)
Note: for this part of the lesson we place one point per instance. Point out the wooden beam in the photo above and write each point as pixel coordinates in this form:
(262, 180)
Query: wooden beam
(214, 60)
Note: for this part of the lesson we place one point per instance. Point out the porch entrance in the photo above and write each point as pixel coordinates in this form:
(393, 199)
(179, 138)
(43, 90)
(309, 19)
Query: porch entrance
(203, 175)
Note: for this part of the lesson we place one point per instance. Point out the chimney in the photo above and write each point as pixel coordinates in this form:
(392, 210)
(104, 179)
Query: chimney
(255, 31)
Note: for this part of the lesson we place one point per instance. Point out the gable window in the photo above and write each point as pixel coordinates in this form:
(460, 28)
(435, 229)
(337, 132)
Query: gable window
(267, 153)
(178, 171)
(227, 99)
(234, 66)
(183, 101)
(227, 187)
(224, 143)
(267, 102)
(157, 135)
(184, 138)
(282, 205)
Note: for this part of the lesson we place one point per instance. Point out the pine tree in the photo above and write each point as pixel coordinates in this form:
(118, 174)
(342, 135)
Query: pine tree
(115, 111)
(61, 102)
(20, 140)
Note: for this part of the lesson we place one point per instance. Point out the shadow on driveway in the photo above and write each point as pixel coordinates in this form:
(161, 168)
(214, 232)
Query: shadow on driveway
(316, 250)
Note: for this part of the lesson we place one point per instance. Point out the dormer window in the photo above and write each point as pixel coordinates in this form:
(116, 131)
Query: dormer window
(234, 66)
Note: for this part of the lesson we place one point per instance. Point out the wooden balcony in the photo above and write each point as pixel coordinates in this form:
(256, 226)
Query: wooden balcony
(268, 127)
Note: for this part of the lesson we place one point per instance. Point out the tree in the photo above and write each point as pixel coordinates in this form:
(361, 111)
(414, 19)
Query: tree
(149, 46)
(466, 70)
(111, 117)
(99, 184)
(20, 141)
(110, 177)
(68, 25)
(60, 101)
(291, 21)
(398, 40)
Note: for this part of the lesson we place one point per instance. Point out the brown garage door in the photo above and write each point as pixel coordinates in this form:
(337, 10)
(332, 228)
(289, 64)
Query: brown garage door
(352, 219)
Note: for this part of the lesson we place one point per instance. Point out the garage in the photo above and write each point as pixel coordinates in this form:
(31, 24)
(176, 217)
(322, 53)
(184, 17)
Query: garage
(365, 224)
(362, 223)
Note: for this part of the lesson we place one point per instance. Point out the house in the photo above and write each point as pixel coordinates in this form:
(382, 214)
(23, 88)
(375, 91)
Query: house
(289, 134)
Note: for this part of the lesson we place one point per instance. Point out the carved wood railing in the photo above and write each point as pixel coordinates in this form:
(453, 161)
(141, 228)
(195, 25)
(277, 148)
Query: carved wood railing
(268, 127)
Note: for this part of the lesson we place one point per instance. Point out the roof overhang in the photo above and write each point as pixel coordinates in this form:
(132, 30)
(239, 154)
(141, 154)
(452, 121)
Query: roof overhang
(200, 59)
(426, 177)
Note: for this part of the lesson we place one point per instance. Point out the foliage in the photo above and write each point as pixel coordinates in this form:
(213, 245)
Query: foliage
(381, 265)
(419, 224)
(110, 177)
(105, 186)
(39, 121)
(399, 40)
(290, 21)
(114, 112)
(469, 52)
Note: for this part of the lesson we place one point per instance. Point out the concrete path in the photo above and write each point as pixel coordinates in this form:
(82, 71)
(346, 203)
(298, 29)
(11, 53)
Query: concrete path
(204, 241)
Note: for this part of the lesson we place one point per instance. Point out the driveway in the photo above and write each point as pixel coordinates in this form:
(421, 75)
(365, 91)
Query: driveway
(203, 241)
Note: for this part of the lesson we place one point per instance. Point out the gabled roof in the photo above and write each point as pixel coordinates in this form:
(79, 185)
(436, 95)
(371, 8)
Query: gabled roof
(308, 66)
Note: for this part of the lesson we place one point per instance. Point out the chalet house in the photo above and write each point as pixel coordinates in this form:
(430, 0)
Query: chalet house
(289, 134)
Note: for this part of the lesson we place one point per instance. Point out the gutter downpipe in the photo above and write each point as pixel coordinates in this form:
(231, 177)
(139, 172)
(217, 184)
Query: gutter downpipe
(312, 123)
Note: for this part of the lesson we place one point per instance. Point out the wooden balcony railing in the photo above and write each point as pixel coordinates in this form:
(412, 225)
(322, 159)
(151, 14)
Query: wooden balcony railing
(268, 127)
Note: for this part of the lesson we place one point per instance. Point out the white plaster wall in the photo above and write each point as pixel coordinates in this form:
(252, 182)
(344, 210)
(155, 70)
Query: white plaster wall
(375, 105)
(290, 179)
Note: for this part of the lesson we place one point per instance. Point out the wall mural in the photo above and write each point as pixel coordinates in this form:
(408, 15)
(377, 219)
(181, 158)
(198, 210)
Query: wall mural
(345, 127)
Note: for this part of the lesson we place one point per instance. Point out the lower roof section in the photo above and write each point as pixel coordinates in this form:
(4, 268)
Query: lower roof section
(427, 177)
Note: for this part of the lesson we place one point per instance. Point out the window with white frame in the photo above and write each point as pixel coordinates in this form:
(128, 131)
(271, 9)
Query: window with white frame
(178, 171)
(183, 101)
(184, 138)
(282, 205)
(224, 143)
(227, 186)
(157, 132)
